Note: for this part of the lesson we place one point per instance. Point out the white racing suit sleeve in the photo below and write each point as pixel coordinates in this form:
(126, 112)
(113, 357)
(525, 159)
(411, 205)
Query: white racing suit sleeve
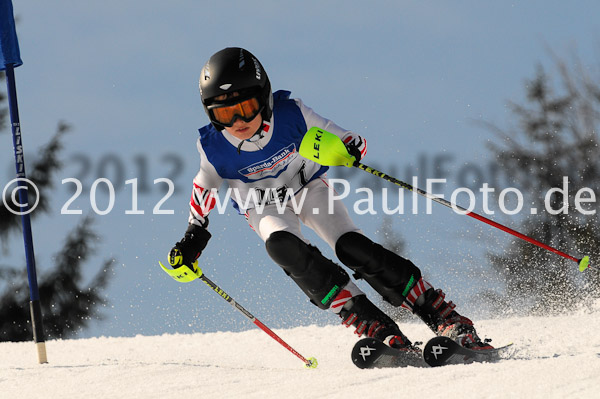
(347, 136)
(206, 186)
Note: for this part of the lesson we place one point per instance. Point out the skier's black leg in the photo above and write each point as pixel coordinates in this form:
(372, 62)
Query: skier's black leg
(324, 282)
(319, 278)
(389, 274)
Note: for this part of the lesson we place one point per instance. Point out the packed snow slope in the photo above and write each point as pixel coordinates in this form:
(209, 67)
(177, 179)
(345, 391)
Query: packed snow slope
(553, 357)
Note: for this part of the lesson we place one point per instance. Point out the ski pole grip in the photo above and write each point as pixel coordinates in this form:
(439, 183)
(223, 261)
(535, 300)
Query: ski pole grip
(183, 273)
(325, 148)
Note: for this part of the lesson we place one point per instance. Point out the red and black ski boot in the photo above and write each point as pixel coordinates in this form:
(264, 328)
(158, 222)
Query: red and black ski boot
(441, 317)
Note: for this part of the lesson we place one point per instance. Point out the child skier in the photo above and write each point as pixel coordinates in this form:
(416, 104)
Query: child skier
(252, 143)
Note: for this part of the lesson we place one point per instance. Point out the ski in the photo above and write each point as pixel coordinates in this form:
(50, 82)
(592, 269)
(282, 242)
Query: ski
(441, 351)
(369, 353)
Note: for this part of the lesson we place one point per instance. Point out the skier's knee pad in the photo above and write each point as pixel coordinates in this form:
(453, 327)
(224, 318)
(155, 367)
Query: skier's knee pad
(318, 277)
(391, 275)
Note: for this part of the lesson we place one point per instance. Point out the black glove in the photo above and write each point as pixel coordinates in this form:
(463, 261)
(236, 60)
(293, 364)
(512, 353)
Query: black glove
(354, 151)
(186, 251)
(355, 145)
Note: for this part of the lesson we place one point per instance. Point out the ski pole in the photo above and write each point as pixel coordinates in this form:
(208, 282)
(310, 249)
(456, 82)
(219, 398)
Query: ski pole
(10, 58)
(184, 274)
(328, 149)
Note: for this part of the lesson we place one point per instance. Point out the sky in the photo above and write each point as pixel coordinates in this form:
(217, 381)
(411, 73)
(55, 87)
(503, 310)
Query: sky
(415, 78)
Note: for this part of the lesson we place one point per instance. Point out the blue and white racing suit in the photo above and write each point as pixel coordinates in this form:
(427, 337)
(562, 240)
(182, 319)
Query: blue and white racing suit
(268, 167)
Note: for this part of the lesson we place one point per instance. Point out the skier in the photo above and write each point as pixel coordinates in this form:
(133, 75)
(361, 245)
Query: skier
(252, 144)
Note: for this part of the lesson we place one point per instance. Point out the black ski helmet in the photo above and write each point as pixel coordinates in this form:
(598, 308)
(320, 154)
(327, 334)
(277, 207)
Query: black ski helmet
(235, 69)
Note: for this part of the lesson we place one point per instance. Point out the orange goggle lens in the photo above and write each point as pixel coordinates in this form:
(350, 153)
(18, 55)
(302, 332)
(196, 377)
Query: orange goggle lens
(245, 110)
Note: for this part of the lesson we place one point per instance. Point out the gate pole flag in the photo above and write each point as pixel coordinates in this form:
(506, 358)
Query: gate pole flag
(10, 58)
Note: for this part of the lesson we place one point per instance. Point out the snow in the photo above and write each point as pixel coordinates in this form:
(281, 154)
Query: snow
(553, 357)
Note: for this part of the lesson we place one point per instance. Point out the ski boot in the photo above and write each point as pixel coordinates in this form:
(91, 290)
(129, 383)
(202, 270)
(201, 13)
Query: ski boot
(441, 317)
(370, 321)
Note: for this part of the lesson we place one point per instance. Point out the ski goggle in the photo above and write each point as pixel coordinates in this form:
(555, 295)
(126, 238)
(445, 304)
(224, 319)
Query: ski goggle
(226, 114)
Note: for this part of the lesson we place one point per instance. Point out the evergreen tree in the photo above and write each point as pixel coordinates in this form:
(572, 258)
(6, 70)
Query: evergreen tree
(557, 136)
(67, 308)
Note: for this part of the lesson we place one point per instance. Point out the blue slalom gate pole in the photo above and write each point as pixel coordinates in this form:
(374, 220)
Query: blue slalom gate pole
(10, 58)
